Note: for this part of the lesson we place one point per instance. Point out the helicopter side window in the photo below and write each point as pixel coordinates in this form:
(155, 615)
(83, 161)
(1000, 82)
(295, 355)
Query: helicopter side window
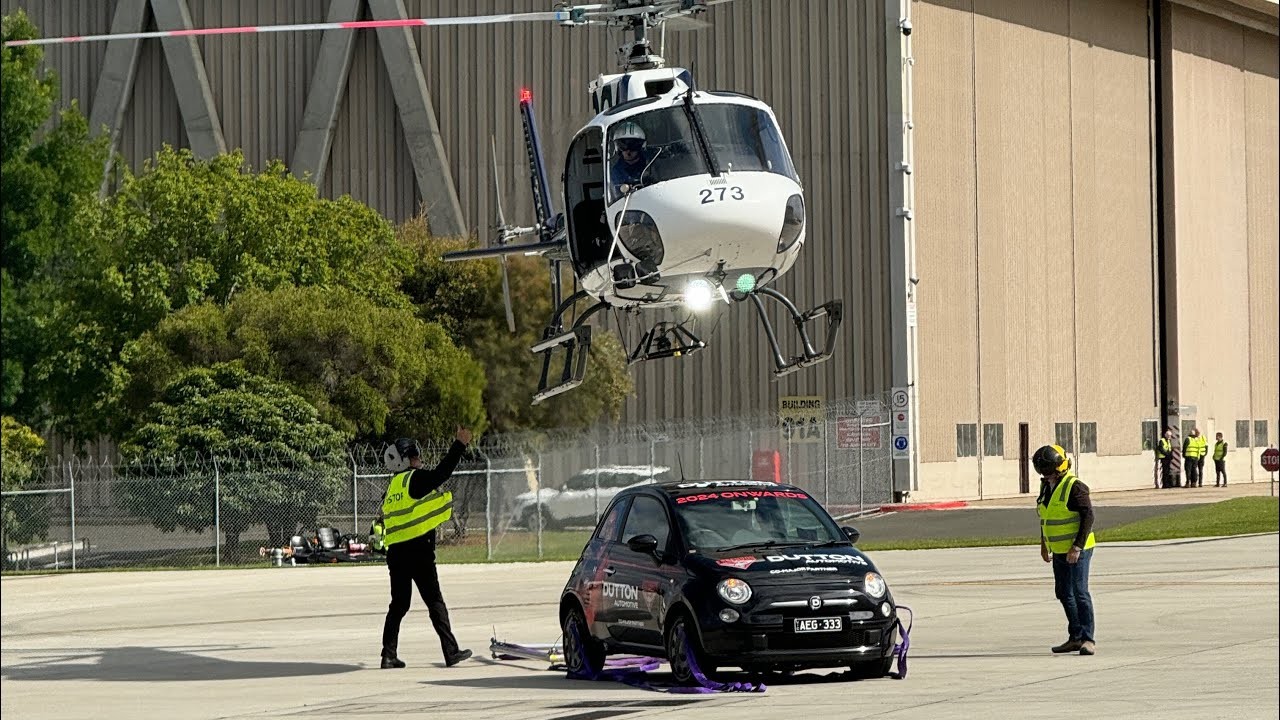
(745, 139)
(590, 238)
(650, 148)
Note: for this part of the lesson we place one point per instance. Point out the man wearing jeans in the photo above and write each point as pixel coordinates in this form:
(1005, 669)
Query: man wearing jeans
(1066, 540)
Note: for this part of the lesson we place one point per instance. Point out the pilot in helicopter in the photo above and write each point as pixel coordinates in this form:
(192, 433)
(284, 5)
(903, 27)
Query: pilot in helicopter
(633, 156)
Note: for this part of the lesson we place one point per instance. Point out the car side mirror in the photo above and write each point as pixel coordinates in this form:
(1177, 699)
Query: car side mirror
(852, 534)
(643, 544)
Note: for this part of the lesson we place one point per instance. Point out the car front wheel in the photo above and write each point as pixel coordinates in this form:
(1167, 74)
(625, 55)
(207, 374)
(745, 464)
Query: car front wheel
(583, 654)
(687, 661)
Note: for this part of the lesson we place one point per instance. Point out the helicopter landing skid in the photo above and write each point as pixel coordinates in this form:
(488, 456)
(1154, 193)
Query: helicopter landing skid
(833, 310)
(577, 344)
(664, 340)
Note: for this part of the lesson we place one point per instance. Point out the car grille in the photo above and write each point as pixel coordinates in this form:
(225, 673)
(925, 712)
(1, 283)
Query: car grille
(849, 637)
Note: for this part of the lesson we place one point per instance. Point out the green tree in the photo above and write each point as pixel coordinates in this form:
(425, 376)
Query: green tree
(370, 371)
(48, 177)
(277, 463)
(24, 518)
(184, 232)
(466, 299)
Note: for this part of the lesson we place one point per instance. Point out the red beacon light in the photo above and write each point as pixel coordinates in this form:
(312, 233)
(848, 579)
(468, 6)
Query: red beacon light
(526, 95)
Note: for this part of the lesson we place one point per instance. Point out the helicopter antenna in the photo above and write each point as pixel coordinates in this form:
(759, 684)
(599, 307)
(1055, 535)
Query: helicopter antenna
(680, 460)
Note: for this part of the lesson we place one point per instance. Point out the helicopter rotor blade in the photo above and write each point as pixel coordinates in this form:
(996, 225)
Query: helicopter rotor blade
(562, 16)
(497, 193)
(506, 297)
(570, 15)
(684, 23)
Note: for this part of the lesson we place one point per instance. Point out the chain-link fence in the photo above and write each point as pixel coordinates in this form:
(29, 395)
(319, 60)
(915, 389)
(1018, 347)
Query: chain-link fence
(515, 497)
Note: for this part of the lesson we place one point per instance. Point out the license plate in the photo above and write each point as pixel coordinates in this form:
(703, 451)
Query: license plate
(827, 624)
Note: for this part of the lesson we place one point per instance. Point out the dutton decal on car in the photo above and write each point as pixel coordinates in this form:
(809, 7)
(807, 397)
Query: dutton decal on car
(810, 558)
(741, 563)
(623, 596)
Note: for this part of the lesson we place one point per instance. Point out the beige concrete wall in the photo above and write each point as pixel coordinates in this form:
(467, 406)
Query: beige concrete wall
(1112, 194)
(1224, 112)
(946, 224)
(1050, 201)
(1262, 184)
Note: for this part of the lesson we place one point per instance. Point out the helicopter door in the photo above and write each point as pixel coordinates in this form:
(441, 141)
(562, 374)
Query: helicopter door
(589, 236)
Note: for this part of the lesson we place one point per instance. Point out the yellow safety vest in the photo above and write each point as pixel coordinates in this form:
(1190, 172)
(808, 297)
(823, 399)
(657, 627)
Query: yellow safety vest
(1058, 525)
(1197, 447)
(1219, 450)
(405, 518)
(1164, 449)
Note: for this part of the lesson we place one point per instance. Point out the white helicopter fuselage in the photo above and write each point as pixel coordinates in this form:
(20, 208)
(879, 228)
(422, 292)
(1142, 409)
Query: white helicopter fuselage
(708, 226)
(716, 183)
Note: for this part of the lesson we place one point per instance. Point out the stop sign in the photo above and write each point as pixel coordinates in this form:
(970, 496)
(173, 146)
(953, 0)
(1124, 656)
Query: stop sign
(1271, 459)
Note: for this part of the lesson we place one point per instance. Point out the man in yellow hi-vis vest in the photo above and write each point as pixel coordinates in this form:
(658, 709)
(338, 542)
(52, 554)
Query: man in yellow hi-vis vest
(1066, 540)
(1219, 461)
(412, 508)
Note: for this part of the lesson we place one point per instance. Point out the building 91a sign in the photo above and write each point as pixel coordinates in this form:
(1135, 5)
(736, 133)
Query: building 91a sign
(803, 418)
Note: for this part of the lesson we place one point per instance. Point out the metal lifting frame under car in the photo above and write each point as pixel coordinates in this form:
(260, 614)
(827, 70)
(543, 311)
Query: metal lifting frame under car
(631, 669)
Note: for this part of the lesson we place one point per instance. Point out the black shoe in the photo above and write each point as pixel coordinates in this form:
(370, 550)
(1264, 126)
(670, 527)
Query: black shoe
(457, 658)
(391, 661)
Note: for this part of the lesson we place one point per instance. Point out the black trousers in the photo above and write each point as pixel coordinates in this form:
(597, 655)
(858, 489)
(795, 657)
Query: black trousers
(1166, 472)
(1219, 472)
(414, 563)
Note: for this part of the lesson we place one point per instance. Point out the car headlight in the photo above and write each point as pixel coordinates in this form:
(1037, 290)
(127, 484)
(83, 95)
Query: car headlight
(874, 585)
(792, 223)
(734, 591)
(638, 233)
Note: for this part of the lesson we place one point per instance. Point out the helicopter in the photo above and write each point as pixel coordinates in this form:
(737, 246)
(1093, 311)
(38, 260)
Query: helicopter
(674, 197)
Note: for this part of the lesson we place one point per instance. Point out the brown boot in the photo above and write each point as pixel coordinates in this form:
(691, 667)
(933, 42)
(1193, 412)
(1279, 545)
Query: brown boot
(1071, 645)
(1087, 647)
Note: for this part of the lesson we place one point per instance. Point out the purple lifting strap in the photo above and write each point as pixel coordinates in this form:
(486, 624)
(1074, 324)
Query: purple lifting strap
(631, 671)
(901, 648)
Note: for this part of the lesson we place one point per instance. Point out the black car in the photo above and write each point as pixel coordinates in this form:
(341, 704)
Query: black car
(755, 575)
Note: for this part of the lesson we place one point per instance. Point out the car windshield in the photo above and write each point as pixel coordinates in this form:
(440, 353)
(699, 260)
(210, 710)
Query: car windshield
(732, 518)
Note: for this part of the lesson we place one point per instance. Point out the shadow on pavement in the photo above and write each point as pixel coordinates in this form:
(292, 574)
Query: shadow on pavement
(146, 664)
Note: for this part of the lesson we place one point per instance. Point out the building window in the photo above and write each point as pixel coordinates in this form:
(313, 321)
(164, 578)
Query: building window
(1089, 437)
(1187, 427)
(967, 440)
(1260, 433)
(993, 439)
(1063, 436)
(1150, 434)
(1242, 434)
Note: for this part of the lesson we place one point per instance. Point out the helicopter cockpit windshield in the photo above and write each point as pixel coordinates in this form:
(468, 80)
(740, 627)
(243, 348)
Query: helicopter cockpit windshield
(660, 145)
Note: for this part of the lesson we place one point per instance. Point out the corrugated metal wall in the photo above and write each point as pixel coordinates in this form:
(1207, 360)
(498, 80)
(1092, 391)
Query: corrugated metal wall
(819, 63)
(1224, 112)
(1034, 223)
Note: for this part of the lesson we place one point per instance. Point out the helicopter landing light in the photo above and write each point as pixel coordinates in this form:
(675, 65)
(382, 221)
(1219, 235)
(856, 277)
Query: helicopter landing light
(699, 294)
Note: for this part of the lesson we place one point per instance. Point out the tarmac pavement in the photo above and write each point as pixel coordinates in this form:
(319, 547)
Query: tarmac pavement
(1186, 629)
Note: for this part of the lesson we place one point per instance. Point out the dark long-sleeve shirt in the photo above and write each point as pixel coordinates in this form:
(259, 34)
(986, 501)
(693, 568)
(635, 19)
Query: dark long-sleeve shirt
(421, 483)
(1077, 501)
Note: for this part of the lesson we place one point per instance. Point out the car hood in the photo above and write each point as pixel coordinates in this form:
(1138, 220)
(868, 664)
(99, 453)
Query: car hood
(785, 564)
